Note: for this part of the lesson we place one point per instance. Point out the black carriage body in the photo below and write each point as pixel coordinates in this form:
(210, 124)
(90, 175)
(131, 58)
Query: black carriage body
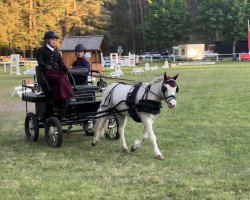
(44, 110)
(43, 104)
(84, 107)
(52, 117)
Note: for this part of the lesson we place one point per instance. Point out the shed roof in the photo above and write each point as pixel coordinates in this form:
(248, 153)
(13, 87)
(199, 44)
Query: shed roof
(91, 42)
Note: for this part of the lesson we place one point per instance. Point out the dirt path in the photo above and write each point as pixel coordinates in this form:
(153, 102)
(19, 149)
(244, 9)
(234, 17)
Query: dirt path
(16, 107)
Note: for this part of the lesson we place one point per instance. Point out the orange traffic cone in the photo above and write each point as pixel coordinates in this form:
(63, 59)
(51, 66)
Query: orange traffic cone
(29, 81)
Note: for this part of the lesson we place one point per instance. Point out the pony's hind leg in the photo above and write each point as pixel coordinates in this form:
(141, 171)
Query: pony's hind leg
(98, 127)
(122, 123)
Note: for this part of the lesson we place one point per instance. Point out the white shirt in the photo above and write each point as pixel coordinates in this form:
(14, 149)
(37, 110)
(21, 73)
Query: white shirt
(50, 47)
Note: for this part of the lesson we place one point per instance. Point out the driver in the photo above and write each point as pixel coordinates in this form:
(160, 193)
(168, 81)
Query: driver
(54, 69)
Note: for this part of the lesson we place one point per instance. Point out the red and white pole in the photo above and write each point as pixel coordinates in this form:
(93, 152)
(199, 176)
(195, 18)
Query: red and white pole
(248, 31)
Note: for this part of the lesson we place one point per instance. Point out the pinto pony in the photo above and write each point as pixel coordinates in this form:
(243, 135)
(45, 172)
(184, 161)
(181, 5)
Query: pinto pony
(142, 102)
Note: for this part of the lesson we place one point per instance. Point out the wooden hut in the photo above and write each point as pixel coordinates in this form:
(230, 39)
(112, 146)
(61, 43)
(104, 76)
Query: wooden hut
(95, 45)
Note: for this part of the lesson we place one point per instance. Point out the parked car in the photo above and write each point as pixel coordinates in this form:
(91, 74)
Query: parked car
(210, 54)
(163, 53)
(148, 55)
(155, 55)
(177, 57)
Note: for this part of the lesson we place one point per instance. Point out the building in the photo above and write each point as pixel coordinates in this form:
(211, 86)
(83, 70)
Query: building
(95, 45)
(192, 51)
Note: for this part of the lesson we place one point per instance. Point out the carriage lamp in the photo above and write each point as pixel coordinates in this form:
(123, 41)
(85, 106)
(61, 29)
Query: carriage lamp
(36, 89)
(101, 83)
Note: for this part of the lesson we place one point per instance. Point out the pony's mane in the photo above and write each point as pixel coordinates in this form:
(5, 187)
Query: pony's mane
(157, 80)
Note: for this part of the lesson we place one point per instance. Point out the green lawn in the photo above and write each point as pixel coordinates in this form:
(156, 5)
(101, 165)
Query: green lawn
(205, 141)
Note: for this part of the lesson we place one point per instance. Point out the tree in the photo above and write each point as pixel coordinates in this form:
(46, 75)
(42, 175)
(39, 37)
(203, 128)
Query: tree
(223, 20)
(24, 22)
(167, 23)
(235, 27)
(192, 6)
(11, 25)
(127, 27)
(141, 8)
(120, 26)
(211, 19)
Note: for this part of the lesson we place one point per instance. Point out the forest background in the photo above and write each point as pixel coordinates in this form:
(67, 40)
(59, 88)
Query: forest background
(136, 25)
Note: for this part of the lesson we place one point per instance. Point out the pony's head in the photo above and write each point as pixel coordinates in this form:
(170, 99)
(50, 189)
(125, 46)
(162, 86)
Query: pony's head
(169, 90)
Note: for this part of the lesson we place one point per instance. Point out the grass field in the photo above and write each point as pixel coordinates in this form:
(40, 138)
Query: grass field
(205, 141)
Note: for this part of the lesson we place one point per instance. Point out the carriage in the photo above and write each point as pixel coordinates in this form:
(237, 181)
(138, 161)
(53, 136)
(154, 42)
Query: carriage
(141, 101)
(57, 120)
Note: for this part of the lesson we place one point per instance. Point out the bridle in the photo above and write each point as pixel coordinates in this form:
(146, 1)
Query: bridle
(167, 99)
(172, 83)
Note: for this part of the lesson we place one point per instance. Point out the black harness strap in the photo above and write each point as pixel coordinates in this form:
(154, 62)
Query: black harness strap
(130, 101)
(149, 106)
(144, 105)
(109, 96)
(147, 89)
(131, 96)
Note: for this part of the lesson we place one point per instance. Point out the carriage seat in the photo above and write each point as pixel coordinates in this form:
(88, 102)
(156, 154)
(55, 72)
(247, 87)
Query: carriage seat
(31, 97)
(87, 88)
(85, 92)
(81, 92)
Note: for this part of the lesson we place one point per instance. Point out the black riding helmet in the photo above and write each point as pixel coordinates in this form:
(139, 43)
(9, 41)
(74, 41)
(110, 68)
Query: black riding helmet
(50, 34)
(80, 47)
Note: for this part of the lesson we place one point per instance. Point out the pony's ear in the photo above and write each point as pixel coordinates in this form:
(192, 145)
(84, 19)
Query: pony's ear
(165, 76)
(176, 76)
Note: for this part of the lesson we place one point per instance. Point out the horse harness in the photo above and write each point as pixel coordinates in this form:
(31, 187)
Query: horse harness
(145, 104)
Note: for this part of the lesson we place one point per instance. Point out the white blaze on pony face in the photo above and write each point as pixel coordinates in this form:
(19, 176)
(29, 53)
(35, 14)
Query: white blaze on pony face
(171, 92)
(170, 89)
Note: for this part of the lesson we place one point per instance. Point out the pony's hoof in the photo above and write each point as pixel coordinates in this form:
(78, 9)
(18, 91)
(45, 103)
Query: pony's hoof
(125, 150)
(94, 143)
(132, 149)
(159, 157)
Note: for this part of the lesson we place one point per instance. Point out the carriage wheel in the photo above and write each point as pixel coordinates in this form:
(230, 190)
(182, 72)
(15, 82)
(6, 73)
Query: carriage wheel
(53, 132)
(112, 129)
(31, 127)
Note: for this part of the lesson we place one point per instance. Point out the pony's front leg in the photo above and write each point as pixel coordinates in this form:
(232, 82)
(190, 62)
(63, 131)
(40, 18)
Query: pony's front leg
(148, 125)
(122, 123)
(98, 127)
(137, 144)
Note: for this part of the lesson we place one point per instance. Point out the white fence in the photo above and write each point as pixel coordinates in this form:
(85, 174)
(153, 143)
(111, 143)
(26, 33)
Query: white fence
(212, 57)
(115, 59)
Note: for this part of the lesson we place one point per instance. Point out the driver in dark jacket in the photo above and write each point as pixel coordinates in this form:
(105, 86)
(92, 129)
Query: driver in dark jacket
(80, 67)
(54, 69)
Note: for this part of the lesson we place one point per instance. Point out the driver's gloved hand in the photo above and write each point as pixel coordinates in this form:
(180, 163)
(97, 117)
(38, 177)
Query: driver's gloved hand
(55, 65)
(48, 67)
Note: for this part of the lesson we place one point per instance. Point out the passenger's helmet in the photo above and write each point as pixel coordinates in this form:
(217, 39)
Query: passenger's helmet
(80, 47)
(50, 34)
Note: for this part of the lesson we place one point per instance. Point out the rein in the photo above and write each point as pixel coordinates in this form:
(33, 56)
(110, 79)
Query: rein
(167, 99)
(122, 79)
(148, 90)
